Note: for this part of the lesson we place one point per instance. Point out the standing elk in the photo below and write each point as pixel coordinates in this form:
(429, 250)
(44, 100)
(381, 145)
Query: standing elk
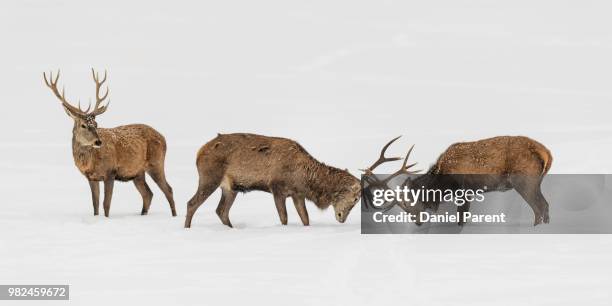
(245, 162)
(499, 163)
(122, 153)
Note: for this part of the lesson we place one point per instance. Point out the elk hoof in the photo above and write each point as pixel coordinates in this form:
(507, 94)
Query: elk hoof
(537, 221)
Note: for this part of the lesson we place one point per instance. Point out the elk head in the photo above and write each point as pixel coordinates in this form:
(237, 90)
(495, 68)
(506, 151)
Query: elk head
(346, 199)
(85, 126)
(373, 182)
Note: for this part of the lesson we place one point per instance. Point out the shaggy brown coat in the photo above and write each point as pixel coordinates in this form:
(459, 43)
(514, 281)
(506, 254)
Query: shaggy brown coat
(245, 162)
(498, 155)
(125, 153)
(500, 163)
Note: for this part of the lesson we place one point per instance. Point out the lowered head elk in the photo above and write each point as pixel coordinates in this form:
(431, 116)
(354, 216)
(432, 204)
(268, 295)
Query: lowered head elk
(499, 163)
(122, 153)
(245, 162)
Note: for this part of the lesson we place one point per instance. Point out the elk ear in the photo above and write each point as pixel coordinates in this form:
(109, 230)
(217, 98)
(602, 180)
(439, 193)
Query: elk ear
(73, 116)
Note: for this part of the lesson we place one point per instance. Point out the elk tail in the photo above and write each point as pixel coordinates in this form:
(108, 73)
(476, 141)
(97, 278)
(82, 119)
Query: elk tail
(545, 156)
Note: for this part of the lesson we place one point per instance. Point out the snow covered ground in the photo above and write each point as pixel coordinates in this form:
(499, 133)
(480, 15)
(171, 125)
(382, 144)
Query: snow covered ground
(340, 77)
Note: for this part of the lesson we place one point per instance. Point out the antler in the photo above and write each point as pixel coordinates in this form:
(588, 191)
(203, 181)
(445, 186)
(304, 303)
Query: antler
(52, 84)
(98, 110)
(375, 182)
(404, 168)
(77, 111)
(382, 159)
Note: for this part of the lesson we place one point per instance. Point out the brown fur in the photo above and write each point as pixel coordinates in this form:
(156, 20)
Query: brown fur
(498, 155)
(245, 162)
(126, 153)
(500, 163)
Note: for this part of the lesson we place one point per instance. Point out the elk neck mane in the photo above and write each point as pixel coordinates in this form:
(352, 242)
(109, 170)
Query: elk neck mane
(83, 155)
(324, 183)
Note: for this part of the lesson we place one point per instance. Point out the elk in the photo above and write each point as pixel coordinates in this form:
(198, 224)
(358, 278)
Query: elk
(500, 163)
(122, 153)
(280, 166)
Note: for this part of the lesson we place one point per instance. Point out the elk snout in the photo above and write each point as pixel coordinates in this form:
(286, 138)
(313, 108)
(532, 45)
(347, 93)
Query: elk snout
(340, 217)
(97, 142)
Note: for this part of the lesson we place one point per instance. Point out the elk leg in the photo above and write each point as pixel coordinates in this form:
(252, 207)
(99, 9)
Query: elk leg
(525, 187)
(227, 199)
(543, 205)
(206, 187)
(279, 200)
(159, 177)
(108, 194)
(461, 210)
(219, 210)
(300, 206)
(95, 196)
(141, 184)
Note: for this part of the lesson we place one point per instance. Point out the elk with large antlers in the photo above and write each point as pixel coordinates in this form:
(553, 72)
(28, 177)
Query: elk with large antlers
(280, 166)
(122, 153)
(500, 163)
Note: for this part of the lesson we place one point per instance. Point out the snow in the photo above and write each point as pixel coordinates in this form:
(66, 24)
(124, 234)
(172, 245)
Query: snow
(340, 77)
